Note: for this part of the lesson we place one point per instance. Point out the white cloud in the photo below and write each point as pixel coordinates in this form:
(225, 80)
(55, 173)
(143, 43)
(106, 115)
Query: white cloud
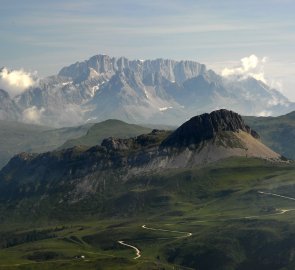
(16, 81)
(265, 113)
(69, 115)
(33, 115)
(250, 66)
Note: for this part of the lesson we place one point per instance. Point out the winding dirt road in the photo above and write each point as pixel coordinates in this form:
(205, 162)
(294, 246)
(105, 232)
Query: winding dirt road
(138, 255)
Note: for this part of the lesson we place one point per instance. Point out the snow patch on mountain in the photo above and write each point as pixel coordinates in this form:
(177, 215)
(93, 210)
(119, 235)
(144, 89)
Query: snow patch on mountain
(165, 108)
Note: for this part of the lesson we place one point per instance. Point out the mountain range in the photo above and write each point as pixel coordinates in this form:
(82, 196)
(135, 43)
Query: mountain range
(138, 91)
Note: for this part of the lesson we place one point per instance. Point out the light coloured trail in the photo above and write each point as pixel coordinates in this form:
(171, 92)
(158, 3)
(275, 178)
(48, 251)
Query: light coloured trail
(138, 255)
(277, 195)
(187, 234)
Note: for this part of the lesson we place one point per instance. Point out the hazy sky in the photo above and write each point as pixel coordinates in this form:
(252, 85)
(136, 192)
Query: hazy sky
(47, 35)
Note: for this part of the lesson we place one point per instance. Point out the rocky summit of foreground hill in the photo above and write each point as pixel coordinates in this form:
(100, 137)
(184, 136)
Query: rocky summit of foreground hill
(207, 126)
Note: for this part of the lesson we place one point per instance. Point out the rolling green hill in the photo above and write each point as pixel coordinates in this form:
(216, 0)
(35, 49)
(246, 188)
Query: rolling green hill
(105, 129)
(17, 137)
(278, 133)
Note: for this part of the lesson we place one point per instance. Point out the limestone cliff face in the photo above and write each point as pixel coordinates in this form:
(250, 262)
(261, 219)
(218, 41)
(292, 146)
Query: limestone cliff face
(178, 71)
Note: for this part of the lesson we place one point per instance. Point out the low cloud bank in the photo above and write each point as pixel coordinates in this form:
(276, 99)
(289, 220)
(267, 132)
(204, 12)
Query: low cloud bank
(251, 66)
(16, 82)
(33, 115)
(69, 115)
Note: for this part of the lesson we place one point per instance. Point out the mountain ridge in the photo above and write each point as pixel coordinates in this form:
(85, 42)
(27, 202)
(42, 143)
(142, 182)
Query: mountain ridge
(83, 168)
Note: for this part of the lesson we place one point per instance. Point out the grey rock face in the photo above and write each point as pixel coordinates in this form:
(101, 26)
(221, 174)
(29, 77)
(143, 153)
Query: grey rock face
(108, 66)
(8, 109)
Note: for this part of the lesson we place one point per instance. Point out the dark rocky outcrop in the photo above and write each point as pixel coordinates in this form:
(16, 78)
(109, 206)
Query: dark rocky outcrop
(116, 144)
(206, 126)
(151, 139)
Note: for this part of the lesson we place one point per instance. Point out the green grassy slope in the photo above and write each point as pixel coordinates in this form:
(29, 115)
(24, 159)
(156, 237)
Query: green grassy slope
(276, 132)
(108, 128)
(18, 137)
(233, 225)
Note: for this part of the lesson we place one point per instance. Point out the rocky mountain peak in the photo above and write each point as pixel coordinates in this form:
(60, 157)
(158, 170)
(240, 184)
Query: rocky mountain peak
(207, 126)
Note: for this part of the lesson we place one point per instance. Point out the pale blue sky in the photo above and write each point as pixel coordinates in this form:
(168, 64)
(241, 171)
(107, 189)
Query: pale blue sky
(47, 35)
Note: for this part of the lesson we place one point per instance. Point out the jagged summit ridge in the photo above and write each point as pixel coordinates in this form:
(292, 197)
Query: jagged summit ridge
(206, 126)
(178, 71)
